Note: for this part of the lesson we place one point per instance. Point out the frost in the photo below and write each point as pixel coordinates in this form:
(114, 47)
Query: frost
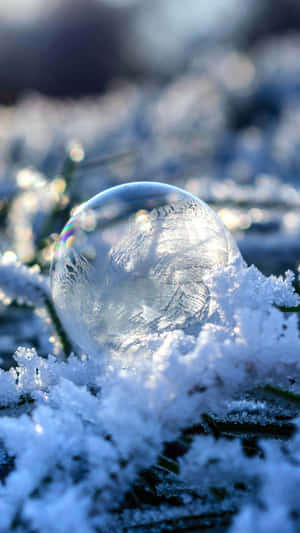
(278, 498)
(20, 283)
(212, 463)
(87, 436)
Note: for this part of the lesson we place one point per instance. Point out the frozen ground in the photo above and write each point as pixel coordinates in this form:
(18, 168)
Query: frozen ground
(204, 434)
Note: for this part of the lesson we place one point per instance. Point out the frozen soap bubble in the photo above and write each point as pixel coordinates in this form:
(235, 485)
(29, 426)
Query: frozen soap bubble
(131, 262)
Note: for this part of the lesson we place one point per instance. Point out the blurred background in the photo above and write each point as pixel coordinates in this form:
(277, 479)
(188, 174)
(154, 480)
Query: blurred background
(67, 48)
(200, 94)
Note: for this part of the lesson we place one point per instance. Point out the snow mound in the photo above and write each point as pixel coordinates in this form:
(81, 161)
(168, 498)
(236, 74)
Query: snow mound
(84, 436)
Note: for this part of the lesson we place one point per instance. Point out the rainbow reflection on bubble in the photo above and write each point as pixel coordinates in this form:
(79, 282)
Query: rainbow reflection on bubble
(67, 237)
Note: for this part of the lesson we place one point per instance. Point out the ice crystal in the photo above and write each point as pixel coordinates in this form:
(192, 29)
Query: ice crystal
(132, 262)
(23, 284)
(89, 435)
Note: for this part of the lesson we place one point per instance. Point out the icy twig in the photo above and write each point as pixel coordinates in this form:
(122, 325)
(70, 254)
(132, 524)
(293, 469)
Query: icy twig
(24, 286)
(20, 283)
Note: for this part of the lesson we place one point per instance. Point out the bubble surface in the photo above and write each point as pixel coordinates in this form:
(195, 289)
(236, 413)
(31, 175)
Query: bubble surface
(132, 262)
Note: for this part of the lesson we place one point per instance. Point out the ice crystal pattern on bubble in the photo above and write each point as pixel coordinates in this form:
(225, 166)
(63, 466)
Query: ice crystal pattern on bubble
(133, 261)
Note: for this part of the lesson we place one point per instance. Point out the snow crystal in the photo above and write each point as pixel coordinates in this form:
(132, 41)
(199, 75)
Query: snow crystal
(20, 283)
(89, 435)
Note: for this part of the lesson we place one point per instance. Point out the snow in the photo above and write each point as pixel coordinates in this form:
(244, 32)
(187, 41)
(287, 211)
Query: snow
(78, 451)
(20, 283)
